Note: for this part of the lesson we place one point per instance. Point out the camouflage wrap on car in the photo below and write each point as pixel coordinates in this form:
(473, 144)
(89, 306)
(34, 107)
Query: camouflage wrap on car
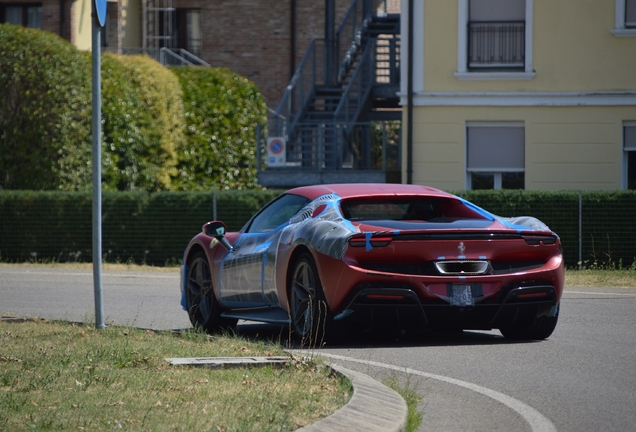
(326, 232)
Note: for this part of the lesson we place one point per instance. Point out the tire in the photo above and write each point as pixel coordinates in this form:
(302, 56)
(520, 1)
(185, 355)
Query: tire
(539, 329)
(311, 319)
(203, 308)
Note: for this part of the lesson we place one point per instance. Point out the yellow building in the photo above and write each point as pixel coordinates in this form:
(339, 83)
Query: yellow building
(526, 94)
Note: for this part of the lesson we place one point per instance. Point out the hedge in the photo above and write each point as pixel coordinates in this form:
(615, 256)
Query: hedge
(137, 227)
(154, 228)
(142, 114)
(222, 110)
(46, 110)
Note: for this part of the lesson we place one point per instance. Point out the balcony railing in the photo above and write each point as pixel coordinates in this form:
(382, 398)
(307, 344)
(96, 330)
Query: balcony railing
(331, 146)
(496, 45)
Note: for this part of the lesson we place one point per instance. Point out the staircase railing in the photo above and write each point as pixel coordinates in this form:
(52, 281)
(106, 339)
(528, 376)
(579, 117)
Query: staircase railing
(358, 88)
(300, 89)
(179, 57)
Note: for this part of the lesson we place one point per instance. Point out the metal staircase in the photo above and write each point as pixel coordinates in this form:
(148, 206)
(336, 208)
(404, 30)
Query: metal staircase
(341, 125)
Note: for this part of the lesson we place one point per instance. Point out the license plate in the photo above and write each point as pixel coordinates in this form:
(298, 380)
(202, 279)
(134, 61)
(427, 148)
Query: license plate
(462, 295)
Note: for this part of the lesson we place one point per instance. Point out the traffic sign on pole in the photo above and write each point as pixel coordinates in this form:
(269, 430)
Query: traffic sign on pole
(97, 163)
(100, 8)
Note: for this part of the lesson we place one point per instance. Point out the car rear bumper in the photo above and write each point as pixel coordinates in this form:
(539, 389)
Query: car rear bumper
(402, 308)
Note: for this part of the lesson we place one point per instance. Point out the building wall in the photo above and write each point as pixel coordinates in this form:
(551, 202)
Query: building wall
(573, 49)
(253, 38)
(81, 35)
(573, 104)
(131, 23)
(565, 147)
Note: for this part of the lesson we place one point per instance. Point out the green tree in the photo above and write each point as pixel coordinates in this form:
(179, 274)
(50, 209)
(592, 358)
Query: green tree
(221, 112)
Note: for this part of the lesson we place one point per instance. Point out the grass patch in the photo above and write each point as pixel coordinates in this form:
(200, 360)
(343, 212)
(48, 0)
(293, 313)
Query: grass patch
(63, 376)
(412, 398)
(609, 278)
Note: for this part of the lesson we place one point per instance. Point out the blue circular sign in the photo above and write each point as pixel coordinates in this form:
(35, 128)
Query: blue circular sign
(100, 8)
(276, 146)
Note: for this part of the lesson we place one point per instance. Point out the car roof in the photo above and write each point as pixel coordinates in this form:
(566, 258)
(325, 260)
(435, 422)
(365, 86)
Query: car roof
(359, 190)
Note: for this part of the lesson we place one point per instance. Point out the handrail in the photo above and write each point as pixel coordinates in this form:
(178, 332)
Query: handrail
(165, 53)
(194, 59)
(349, 33)
(298, 91)
(362, 80)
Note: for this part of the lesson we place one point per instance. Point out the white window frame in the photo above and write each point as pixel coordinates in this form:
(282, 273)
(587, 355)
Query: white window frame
(619, 29)
(463, 74)
(496, 172)
(625, 152)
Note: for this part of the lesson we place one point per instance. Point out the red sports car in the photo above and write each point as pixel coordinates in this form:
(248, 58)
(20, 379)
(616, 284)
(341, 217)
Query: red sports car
(320, 257)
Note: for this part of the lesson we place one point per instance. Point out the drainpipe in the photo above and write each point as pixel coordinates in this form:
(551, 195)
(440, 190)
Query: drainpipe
(330, 32)
(292, 38)
(409, 97)
(62, 18)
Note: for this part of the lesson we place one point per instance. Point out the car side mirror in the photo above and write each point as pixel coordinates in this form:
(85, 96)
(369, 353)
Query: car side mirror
(217, 230)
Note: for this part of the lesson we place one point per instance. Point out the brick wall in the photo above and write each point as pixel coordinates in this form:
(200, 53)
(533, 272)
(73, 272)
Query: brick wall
(253, 37)
(249, 37)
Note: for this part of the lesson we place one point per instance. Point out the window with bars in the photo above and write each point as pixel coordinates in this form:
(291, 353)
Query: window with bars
(495, 156)
(496, 34)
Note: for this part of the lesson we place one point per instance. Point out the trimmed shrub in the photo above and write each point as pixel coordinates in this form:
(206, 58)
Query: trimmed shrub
(221, 112)
(45, 111)
(138, 227)
(143, 123)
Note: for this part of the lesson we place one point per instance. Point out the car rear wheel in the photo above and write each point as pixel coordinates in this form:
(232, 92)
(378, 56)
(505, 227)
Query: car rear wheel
(538, 329)
(203, 308)
(311, 320)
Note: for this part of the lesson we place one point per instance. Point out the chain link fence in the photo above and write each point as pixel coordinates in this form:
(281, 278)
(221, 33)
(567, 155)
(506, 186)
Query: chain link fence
(596, 228)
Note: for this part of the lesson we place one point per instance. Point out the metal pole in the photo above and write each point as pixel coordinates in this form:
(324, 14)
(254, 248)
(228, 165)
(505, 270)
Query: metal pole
(214, 214)
(330, 29)
(580, 230)
(97, 171)
(409, 97)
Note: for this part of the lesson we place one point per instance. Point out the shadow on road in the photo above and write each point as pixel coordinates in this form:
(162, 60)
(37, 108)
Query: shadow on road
(379, 339)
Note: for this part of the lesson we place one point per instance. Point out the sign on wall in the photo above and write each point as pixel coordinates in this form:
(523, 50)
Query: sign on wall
(276, 152)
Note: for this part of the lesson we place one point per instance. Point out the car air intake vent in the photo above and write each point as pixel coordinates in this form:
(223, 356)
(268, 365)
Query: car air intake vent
(463, 267)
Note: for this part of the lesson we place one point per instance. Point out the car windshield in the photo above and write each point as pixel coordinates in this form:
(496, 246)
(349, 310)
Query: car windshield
(422, 209)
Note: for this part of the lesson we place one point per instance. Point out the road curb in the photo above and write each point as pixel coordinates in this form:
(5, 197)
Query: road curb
(373, 407)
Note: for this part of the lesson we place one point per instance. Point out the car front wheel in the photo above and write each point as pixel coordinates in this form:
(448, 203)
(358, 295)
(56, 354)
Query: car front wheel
(203, 308)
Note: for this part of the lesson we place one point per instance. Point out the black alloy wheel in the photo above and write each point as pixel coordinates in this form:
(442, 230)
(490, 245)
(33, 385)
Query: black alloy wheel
(203, 308)
(312, 321)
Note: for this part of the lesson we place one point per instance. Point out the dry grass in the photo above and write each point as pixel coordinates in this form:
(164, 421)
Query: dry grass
(601, 278)
(64, 376)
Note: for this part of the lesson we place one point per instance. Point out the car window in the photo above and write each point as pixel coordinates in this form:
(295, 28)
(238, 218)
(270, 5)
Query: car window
(407, 209)
(277, 213)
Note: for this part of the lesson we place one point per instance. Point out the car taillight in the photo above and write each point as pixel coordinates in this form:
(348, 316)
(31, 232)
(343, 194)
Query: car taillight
(535, 240)
(374, 241)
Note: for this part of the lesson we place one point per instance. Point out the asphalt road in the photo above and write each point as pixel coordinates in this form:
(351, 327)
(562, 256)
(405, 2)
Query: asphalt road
(583, 378)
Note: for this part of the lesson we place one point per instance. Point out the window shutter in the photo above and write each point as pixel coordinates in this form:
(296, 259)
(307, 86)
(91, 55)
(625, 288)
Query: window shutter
(497, 10)
(496, 148)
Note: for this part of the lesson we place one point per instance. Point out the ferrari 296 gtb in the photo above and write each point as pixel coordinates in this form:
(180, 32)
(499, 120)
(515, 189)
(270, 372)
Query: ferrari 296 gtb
(368, 255)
